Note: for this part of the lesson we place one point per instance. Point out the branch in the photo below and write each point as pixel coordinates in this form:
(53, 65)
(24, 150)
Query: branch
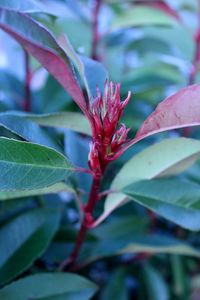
(70, 262)
(196, 58)
(95, 30)
(27, 90)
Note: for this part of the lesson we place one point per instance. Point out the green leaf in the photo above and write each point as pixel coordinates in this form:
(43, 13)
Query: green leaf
(130, 236)
(180, 285)
(24, 239)
(28, 6)
(91, 67)
(30, 166)
(70, 120)
(54, 8)
(116, 287)
(156, 286)
(55, 286)
(86, 67)
(184, 45)
(52, 189)
(40, 43)
(146, 243)
(168, 157)
(26, 129)
(175, 200)
(142, 16)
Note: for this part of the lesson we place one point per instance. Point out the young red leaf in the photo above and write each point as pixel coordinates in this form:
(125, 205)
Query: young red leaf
(177, 111)
(163, 6)
(39, 42)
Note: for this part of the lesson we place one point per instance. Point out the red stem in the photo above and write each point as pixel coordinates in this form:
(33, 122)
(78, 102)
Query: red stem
(85, 225)
(195, 65)
(27, 90)
(196, 59)
(95, 31)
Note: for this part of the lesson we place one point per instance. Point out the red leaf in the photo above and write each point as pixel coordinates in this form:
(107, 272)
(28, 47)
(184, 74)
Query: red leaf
(177, 111)
(163, 6)
(39, 42)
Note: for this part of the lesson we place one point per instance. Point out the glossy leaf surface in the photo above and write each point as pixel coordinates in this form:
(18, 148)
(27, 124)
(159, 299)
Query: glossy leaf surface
(177, 111)
(24, 239)
(65, 286)
(168, 157)
(175, 200)
(52, 189)
(30, 166)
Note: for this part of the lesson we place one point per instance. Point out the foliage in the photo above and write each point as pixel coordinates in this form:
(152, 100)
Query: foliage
(99, 183)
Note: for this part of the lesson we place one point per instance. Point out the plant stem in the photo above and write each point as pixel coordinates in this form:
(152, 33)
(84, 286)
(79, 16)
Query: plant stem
(85, 225)
(196, 58)
(95, 30)
(27, 90)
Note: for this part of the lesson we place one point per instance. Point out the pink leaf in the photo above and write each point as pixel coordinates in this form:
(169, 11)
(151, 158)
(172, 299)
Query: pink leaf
(39, 42)
(177, 111)
(161, 5)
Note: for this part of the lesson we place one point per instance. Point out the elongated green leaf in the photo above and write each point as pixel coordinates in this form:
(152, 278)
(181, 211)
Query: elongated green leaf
(52, 189)
(175, 200)
(56, 286)
(116, 287)
(148, 243)
(168, 157)
(54, 8)
(30, 166)
(28, 6)
(26, 129)
(38, 42)
(180, 284)
(156, 286)
(142, 16)
(70, 120)
(24, 239)
(87, 67)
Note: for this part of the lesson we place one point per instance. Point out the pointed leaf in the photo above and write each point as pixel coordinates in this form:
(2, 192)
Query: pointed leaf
(50, 286)
(146, 243)
(177, 201)
(54, 8)
(116, 288)
(87, 67)
(24, 239)
(28, 6)
(156, 286)
(69, 120)
(177, 111)
(52, 189)
(168, 157)
(26, 129)
(30, 166)
(142, 15)
(39, 42)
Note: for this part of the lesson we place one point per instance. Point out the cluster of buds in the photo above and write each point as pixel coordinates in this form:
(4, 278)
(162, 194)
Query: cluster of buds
(108, 135)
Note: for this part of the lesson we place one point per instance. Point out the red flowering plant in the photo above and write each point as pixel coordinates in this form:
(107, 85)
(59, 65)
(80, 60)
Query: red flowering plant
(32, 164)
(108, 135)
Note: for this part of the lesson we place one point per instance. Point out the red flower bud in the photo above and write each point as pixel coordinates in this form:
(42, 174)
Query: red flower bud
(106, 111)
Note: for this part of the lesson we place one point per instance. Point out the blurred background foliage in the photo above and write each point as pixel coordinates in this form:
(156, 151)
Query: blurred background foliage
(149, 47)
